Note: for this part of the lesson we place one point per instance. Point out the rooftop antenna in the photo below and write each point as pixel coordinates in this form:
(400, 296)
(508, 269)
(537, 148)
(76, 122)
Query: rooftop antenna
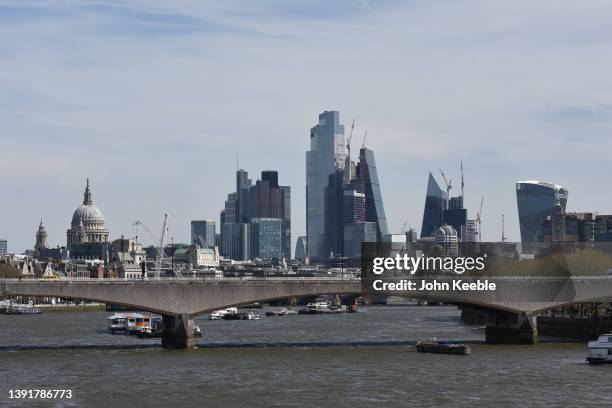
(462, 184)
(503, 229)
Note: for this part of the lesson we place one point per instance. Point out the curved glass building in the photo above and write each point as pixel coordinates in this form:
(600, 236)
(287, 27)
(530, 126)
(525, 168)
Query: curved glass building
(535, 201)
(434, 206)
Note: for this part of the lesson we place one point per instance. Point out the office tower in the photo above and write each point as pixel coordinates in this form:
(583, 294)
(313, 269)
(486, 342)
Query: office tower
(300, 248)
(286, 221)
(243, 184)
(603, 228)
(203, 232)
(374, 207)
(266, 197)
(456, 216)
(266, 238)
(3, 247)
(235, 241)
(230, 209)
(434, 205)
(334, 215)
(411, 235)
(326, 154)
(535, 201)
(353, 206)
(355, 235)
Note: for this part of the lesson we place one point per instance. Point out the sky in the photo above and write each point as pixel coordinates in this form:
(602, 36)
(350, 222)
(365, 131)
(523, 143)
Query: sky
(153, 101)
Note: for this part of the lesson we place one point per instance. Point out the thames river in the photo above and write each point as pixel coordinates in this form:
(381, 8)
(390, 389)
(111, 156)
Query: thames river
(362, 360)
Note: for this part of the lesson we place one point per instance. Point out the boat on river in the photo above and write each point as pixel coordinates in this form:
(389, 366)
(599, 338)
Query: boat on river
(442, 347)
(600, 350)
(218, 314)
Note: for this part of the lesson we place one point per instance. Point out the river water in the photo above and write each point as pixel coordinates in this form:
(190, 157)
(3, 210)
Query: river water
(361, 360)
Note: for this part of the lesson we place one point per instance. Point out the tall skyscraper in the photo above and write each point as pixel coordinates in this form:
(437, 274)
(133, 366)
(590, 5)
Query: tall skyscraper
(535, 201)
(434, 205)
(286, 221)
(251, 203)
(326, 154)
(3, 247)
(374, 206)
(203, 232)
(334, 215)
(243, 184)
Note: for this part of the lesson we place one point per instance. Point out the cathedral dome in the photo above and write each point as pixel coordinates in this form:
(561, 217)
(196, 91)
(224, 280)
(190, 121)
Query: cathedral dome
(88, 223)
(87, 213)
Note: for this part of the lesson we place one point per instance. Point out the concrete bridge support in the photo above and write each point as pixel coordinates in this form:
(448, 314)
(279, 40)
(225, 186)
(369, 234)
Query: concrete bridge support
(177, 332)
(511, 328)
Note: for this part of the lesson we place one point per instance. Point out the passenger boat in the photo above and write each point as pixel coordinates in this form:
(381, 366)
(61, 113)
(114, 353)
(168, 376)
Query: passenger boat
(441, 347)
(197, 332)
(219, 314)
(600, 350)
(137, 322)
(117, 323)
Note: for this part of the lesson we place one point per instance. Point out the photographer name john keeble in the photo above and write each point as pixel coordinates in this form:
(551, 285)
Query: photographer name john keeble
(413, 264)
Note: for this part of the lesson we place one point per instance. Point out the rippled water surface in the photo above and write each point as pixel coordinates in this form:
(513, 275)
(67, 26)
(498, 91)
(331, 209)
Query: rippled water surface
(364, 359)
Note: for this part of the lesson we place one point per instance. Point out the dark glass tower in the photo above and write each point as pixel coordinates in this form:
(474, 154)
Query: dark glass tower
(535, 201)
(434, 206)
(334, 217)
(374, 207)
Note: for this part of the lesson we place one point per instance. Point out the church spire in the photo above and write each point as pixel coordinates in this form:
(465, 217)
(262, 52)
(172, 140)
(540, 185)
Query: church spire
(87, 195)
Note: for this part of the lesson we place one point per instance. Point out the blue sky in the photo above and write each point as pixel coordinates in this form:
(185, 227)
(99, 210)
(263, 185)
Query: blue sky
(153, 100)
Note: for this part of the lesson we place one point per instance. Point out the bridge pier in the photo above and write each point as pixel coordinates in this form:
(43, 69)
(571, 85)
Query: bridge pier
(177, 332)
(511, 328)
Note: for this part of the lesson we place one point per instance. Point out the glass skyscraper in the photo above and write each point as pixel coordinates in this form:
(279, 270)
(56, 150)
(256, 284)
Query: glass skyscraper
(434, 207)
(535, 201)
(326, 154)
(374, 207)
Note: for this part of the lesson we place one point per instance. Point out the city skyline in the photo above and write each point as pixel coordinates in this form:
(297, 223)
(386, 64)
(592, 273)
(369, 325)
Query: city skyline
(510, 97)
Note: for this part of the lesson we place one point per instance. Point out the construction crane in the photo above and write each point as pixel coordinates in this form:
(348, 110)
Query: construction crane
(404, 227)
(479, 219)
(462, 184)
(364, 139)
(348, 141)
(347, 162)
(448, 187)
(160, 251)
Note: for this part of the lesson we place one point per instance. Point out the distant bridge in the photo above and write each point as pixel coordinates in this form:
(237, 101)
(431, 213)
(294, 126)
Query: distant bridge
(510, 318)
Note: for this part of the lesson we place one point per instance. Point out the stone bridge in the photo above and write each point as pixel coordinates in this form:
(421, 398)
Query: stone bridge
(511, 308)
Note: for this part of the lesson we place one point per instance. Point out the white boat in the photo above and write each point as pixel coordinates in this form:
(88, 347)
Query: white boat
(218, 314)
(253, 315)
(137, 322)
(600, 350)
(117, 322)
